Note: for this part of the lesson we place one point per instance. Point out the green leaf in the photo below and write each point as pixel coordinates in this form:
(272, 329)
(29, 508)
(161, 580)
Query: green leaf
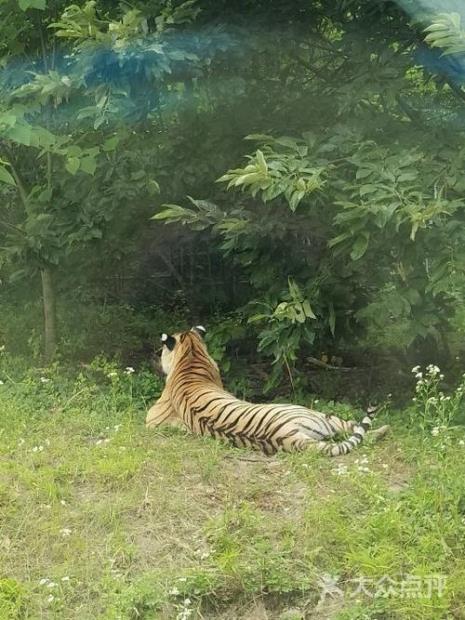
(332, 319)
(308, 310)
(287, 142)
(413, 232)
(6, 177)
(294, 289)
(362, 173)
(360, 247)
(407, 176)
(74, 151)
(153, 187)
(368, 189)
(32, 4)
(21, 133)
(339, 239)
(17, 275)
(172, 212)
(45, 196)
(88, 165)
(72, 164)
(294, 200)
(259, 137)
(110, 144)
(261, 162)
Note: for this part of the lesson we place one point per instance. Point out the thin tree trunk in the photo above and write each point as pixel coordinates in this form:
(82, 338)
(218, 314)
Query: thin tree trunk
(50, 330)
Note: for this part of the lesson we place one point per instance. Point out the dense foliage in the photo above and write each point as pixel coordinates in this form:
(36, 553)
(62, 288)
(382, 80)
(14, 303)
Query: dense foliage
(124, 185)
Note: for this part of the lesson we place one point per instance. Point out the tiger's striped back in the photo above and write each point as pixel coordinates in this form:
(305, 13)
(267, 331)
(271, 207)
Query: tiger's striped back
(194, 394)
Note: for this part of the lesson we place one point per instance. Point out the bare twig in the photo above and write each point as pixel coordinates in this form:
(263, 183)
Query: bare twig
(321, 364)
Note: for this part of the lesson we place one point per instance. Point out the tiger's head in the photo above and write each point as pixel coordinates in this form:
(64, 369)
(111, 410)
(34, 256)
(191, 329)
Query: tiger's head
(176, 345)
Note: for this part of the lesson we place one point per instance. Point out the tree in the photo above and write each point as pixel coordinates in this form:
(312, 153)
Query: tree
(373, 243)
(48, 216)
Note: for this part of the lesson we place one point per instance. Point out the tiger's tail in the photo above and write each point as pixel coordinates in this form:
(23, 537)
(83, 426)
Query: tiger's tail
(347, 445)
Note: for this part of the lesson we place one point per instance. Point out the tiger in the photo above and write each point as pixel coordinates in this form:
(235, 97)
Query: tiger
(194, 397)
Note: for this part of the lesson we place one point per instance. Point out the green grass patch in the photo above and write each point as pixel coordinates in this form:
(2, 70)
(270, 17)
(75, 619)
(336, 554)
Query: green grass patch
(101, 518)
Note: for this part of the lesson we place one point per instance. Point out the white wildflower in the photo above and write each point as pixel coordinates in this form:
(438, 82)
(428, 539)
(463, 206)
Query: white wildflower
(461, 442)
(62, 502)
(1, 382)
(419, 375)
(415, 369)
(37, 448)
(65, 578)
(42, 582)
(44, 380)
(50, 598)
(435, 431)
(174, 592)
(129, 370)
(111, 374)
(51, 584)
(65, 532)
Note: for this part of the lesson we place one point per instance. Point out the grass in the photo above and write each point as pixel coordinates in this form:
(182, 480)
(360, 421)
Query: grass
(100, 518)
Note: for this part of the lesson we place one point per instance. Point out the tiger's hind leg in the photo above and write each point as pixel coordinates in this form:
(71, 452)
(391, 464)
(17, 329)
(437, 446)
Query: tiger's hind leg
(378, 433)
(162, 413)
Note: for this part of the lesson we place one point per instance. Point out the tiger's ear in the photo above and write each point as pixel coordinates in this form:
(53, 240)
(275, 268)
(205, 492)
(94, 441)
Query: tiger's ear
(200, 330)
(169, 341)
